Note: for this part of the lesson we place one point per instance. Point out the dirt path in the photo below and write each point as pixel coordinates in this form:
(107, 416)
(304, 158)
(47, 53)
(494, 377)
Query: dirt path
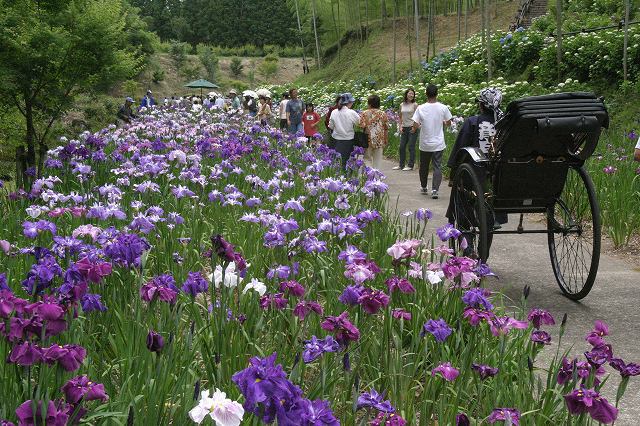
(521, 260)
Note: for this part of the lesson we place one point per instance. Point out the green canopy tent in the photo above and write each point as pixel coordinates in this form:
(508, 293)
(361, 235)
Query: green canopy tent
(201, 84)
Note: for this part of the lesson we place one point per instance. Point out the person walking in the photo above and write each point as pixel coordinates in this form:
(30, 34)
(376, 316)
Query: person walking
(376, 124)
(331, 143)
(407, 137)
(430, 118)
(264, 110)
(282, 109)
(295, 108)
(342, 123)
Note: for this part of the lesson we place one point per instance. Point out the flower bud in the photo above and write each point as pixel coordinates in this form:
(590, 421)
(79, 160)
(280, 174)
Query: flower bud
(155, 342)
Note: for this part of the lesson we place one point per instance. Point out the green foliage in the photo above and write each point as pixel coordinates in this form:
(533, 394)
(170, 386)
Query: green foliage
(178, 53)
(52, 52)
(236, 66)
(158, 75)
(209, 61)
(131, 88)
(224, 22)
(191, 71)
(236, 84)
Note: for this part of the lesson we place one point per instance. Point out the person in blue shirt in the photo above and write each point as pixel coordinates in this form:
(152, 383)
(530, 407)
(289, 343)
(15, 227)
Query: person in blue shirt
(147, 101)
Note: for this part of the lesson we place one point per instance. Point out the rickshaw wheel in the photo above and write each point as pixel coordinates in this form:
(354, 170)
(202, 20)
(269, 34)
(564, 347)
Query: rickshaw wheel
(470, 213)
(574, 244)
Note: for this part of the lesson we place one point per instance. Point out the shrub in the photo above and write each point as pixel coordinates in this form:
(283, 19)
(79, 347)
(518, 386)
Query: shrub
(236, 66)
(158, 75)
(178, 53)
(209, 61)
(131, 88)
(191, 71)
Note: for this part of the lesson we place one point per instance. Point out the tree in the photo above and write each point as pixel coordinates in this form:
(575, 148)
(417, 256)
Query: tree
(559, 38)
(50, 52)
(236, 66)
(627, 8)
(209, 62)
(314, 16)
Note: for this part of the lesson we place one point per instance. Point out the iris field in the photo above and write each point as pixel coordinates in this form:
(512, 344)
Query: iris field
(202, 268)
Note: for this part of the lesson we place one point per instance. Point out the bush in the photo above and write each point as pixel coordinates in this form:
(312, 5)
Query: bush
(209, 61)
(178, 53)
(158, 75)
(191, 71)
(235, 84)
(236, 66)
(131, 88)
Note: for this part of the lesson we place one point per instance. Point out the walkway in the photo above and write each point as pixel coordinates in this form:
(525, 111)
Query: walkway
(524, 259)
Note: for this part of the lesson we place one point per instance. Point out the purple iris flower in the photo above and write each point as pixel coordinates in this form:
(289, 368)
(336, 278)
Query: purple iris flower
(537, 317)
(161, 287)
(595, 337)
(448, 372)
(69, 357)
(626, 370)
(305, 307)
(195, 284)
(127, 249)
(447, 232)
(314, 348)
(293, 204)
(373, 399)
(599, 355)
(25, 354)
(510, 416)
(343, 329)
(478, 298)
(33, 413)
(292, 287)
(397, 283)
(32, 229)
(276, 301)
(265, 388)
(93, 302)
(401, 314)
(485, 371)
(541, 336)
(4, 285)
(281, 271)
(438, 328)
(373, 300)
(273, 238)
(81, 389)
(585, 400)
(423, 214)
(351, 254)
(351, 294)
(155, 341)
(314, 413)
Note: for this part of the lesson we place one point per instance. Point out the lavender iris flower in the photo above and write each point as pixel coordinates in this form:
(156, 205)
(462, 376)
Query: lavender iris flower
(195, 284)
(447, 232)
(477, 298)
(373, 399)
(438, 328)
(314, 348)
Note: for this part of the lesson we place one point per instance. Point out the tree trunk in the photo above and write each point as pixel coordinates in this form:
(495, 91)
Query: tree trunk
(417, 25)
(488, 27)
(627, 7)
(559, 38)
(432, 28)
(304, 55)
(315, 32)
(395, 37)
(459, 7)
(466, 20)
(30, 139)
(366, 19)
(406, 12)
(335, 26)
(21, 167)
(383, 13)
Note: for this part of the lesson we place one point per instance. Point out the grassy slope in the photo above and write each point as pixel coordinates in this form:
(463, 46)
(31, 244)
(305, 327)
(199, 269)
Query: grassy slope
(374, 57)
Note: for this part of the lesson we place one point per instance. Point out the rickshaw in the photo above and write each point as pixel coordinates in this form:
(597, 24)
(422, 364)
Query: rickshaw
(535, 165)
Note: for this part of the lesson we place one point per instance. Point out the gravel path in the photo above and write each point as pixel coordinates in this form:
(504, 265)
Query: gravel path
(524, 259)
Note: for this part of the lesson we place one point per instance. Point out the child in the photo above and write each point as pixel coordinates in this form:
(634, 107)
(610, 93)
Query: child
(264, 110)
(310, 120)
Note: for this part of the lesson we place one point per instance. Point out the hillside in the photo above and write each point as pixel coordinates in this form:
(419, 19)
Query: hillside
(373, 58)
(174, 80)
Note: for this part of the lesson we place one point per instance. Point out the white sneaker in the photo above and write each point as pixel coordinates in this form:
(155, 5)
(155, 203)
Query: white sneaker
(434, 194)
(407, 169)
(397, 168)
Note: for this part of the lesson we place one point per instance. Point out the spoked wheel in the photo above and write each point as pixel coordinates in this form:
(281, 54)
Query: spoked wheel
(574, 244)
(470, 212)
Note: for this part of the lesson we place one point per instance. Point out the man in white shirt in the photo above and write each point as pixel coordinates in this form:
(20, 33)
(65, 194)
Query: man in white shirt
(282, 111)
(636, 153)
(430, 117)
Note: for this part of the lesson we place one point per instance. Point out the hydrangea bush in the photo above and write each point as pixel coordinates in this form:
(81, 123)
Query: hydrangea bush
(202, 267)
